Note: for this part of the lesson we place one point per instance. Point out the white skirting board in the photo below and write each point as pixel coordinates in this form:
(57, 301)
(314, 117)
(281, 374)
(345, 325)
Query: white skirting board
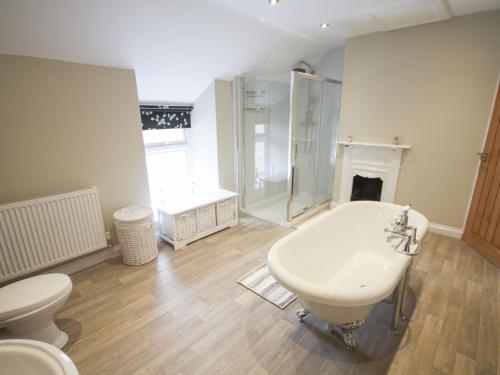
(446, 230)
(433, 227)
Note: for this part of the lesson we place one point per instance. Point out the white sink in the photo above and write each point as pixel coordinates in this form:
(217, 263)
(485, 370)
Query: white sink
(30, 357)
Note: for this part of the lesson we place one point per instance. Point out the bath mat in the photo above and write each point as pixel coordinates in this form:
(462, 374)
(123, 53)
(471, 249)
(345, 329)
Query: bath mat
(261, 281)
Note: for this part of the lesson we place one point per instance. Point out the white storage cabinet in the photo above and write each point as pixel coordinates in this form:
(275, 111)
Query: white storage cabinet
(197, 216)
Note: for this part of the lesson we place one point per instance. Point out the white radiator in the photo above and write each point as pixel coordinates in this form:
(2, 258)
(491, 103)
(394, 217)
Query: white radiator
(41, 232)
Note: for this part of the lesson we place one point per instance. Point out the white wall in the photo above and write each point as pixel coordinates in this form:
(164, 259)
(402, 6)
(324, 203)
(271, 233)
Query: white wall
(204, 141)
(332, 64)
(212, 149)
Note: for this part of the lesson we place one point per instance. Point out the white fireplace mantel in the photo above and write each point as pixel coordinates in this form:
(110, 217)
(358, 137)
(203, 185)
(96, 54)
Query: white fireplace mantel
(371, 160)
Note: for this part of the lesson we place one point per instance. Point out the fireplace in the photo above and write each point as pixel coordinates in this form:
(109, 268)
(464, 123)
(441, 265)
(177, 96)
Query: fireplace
(366, 188)
(370, 171)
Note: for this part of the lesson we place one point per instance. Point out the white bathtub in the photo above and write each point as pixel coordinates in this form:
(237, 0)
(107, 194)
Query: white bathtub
(340, 264)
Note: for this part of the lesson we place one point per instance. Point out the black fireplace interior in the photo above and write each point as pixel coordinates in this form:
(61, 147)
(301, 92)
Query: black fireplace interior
(366, 189)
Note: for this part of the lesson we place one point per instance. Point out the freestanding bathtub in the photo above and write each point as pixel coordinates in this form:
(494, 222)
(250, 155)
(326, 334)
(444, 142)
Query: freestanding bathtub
(340, 263)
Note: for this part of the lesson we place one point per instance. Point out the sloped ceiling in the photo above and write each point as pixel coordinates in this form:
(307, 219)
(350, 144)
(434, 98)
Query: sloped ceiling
(177, 47)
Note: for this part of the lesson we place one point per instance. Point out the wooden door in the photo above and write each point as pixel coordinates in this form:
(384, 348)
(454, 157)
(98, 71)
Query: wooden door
(482, 230)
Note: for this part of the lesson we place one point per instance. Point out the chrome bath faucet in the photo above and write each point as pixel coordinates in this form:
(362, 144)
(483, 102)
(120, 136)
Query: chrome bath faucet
(408, 233)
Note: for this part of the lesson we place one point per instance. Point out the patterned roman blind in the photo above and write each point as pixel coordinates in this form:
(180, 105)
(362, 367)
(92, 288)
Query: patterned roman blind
(165, 117)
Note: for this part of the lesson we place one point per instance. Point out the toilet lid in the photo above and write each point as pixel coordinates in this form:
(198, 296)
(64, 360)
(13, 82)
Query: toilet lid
(29, 294)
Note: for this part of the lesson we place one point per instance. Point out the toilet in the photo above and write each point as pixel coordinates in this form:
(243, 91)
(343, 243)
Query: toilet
(27, 308)
(19, 356)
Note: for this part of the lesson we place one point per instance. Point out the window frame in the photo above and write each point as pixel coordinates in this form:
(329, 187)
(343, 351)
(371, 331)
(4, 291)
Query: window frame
(162, 147)
(185, 141)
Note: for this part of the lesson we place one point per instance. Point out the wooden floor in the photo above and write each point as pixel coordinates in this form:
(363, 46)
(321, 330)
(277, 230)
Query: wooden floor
(185, 314)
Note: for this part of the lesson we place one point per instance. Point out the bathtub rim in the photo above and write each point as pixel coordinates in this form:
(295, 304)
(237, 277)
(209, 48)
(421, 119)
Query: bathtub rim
(321, 294)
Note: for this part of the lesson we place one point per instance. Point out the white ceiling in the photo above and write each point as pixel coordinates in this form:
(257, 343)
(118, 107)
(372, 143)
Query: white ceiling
(177, 47)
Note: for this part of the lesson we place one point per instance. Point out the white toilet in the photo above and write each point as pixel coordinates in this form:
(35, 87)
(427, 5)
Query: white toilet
(27, 308)
(34, 357)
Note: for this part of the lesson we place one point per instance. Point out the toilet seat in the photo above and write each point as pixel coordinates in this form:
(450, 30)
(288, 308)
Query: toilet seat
(27, 295)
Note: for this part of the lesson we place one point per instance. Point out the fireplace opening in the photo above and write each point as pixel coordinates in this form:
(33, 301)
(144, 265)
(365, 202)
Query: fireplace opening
(366, 188)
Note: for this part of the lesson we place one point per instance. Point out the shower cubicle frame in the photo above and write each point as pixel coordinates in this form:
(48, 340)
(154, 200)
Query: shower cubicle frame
(240, 172)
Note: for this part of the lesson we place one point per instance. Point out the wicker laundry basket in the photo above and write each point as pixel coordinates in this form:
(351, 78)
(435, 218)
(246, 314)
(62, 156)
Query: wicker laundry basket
(136, 234)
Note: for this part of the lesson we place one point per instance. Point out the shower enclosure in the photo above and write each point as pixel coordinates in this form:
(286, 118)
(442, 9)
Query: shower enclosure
(287, 136)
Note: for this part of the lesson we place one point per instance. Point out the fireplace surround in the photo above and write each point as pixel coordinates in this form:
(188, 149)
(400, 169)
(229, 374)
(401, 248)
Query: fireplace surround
(370, 161)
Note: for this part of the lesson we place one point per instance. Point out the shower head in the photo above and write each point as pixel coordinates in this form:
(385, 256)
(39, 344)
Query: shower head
(302, 70)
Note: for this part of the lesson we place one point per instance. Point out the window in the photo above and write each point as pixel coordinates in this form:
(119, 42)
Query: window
(168, 162)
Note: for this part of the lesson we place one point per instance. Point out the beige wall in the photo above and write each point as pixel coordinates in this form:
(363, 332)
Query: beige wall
(433, 86)
(64, 126)
(225, 138)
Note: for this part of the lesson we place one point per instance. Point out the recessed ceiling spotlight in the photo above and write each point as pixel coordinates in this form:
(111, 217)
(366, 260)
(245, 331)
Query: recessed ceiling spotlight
(273, 2)
(324, 25)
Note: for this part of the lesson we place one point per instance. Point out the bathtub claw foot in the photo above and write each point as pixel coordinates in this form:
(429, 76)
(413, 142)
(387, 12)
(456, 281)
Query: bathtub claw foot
(349, 340)
(302, 313)
(393, 332)
(347, 333)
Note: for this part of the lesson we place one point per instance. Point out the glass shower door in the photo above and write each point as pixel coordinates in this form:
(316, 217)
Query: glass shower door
(306, 107)
(255, 129)
(327, 146)
(314, 126)
(264, 144)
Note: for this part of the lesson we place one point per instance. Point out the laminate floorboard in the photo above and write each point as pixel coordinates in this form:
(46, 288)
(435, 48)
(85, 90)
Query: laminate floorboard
(184, 313)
